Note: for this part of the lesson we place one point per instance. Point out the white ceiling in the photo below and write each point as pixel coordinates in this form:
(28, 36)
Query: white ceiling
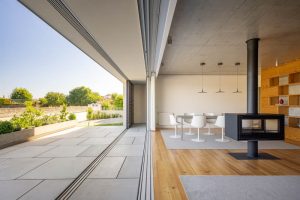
(112, 25)
(115, 25)
(215, 31)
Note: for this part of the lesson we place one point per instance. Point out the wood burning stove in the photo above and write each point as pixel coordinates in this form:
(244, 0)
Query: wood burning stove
(254, 126)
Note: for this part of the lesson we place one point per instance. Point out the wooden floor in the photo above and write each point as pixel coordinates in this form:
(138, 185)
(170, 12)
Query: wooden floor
(168, 165)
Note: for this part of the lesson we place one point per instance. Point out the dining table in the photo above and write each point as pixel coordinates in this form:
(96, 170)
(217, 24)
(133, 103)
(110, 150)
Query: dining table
(187, 117)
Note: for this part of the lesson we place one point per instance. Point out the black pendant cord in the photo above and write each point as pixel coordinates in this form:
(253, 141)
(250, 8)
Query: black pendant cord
(202, 91)
(220, 90)
(237, 78)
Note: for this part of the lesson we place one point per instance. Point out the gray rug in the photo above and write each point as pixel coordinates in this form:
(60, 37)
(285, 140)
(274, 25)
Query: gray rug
(210, 142)
(241, 187)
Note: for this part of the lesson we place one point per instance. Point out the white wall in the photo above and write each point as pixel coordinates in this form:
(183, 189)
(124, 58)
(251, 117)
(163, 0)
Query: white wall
(179, 94)
(139, 103)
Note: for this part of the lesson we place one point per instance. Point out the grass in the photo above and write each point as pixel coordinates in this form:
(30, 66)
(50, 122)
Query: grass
(111, 124)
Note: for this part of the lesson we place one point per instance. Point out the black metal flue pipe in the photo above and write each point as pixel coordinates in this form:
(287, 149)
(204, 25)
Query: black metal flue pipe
(252, 88)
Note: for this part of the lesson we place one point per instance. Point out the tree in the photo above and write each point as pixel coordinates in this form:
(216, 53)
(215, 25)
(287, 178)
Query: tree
(22, 94)
(43, 102)
(118, 102)
(55, 99)
(82, 96)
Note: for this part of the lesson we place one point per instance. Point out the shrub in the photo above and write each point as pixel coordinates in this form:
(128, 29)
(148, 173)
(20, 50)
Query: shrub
(43, 102)
(22, 94)
(72, 116)
(6, 127)
(28, 117)
(82, 96)
(63, 113)
(89, 114)
(5, 101)
(55, 99)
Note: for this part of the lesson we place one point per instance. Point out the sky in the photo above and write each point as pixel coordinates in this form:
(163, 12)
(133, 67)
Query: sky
(36, 57)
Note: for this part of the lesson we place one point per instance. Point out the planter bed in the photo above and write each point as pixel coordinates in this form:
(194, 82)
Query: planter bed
(24, 135)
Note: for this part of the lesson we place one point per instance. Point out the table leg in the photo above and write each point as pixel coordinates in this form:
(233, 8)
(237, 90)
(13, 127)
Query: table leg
(181, 128)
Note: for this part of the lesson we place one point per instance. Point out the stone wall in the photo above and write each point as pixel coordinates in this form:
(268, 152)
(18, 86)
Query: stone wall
(10, 112)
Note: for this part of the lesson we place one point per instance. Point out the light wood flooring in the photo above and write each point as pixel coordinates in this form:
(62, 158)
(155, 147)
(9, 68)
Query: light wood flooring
(169, 164)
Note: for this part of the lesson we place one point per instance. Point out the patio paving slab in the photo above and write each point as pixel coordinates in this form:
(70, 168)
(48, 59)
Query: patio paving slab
(134, 134)
(14, 168)
(139, 140)
(59, 168)
(92, 141)
(109, 167)
(93, 150)
(26, 152)
(48, 189)
(107, 189)
(13, 189)
(64, 151)
(131, 167)
(126, 150)
(127, 140)
(67, 141)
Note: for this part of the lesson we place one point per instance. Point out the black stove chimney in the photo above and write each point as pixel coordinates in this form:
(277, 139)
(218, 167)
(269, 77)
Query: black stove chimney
(252, 88)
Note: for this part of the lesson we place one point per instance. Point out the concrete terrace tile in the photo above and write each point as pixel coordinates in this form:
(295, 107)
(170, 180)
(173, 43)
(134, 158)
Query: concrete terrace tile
(139, 140)
(49, 189)
(107, 189)
(126, 150)
(40, 142)
(94, 134)
(11, 190)
(127, 140)
(26, 152)
(14, 168)
(113, 135)
(93, 150)
(67, 141)
(135, 134)
(11, 148)
(109, 167)
(64, 151)
(95, 141)
(59, 168)
(131, 167)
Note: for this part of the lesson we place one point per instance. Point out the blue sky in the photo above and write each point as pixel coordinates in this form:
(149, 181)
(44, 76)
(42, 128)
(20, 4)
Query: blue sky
(34, 56)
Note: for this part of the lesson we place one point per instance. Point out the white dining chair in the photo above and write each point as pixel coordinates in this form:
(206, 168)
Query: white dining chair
(220, 122)
(198, 121)
(188, 122)
(209, 123)
(174, 123)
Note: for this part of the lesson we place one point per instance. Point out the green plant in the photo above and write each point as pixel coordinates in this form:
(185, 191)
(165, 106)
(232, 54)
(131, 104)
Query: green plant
(55, 99)
(89, 114)
(43, 102)
(72, 116)
(118, 102)
(6, 127)
(28, 117)
(63, 113)
(82, 96)
(21, 94)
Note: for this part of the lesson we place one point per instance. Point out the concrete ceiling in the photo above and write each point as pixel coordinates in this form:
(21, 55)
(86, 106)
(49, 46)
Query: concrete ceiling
(106, 30)
(215, 31)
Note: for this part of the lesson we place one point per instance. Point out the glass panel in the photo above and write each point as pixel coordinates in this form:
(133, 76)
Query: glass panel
(251, 124)
(271, 125)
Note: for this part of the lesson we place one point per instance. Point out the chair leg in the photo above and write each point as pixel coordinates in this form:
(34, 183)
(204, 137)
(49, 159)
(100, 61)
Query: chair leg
(190, 131)
(175, 134)
(198, 138)
(209, 132)
(222, 139)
